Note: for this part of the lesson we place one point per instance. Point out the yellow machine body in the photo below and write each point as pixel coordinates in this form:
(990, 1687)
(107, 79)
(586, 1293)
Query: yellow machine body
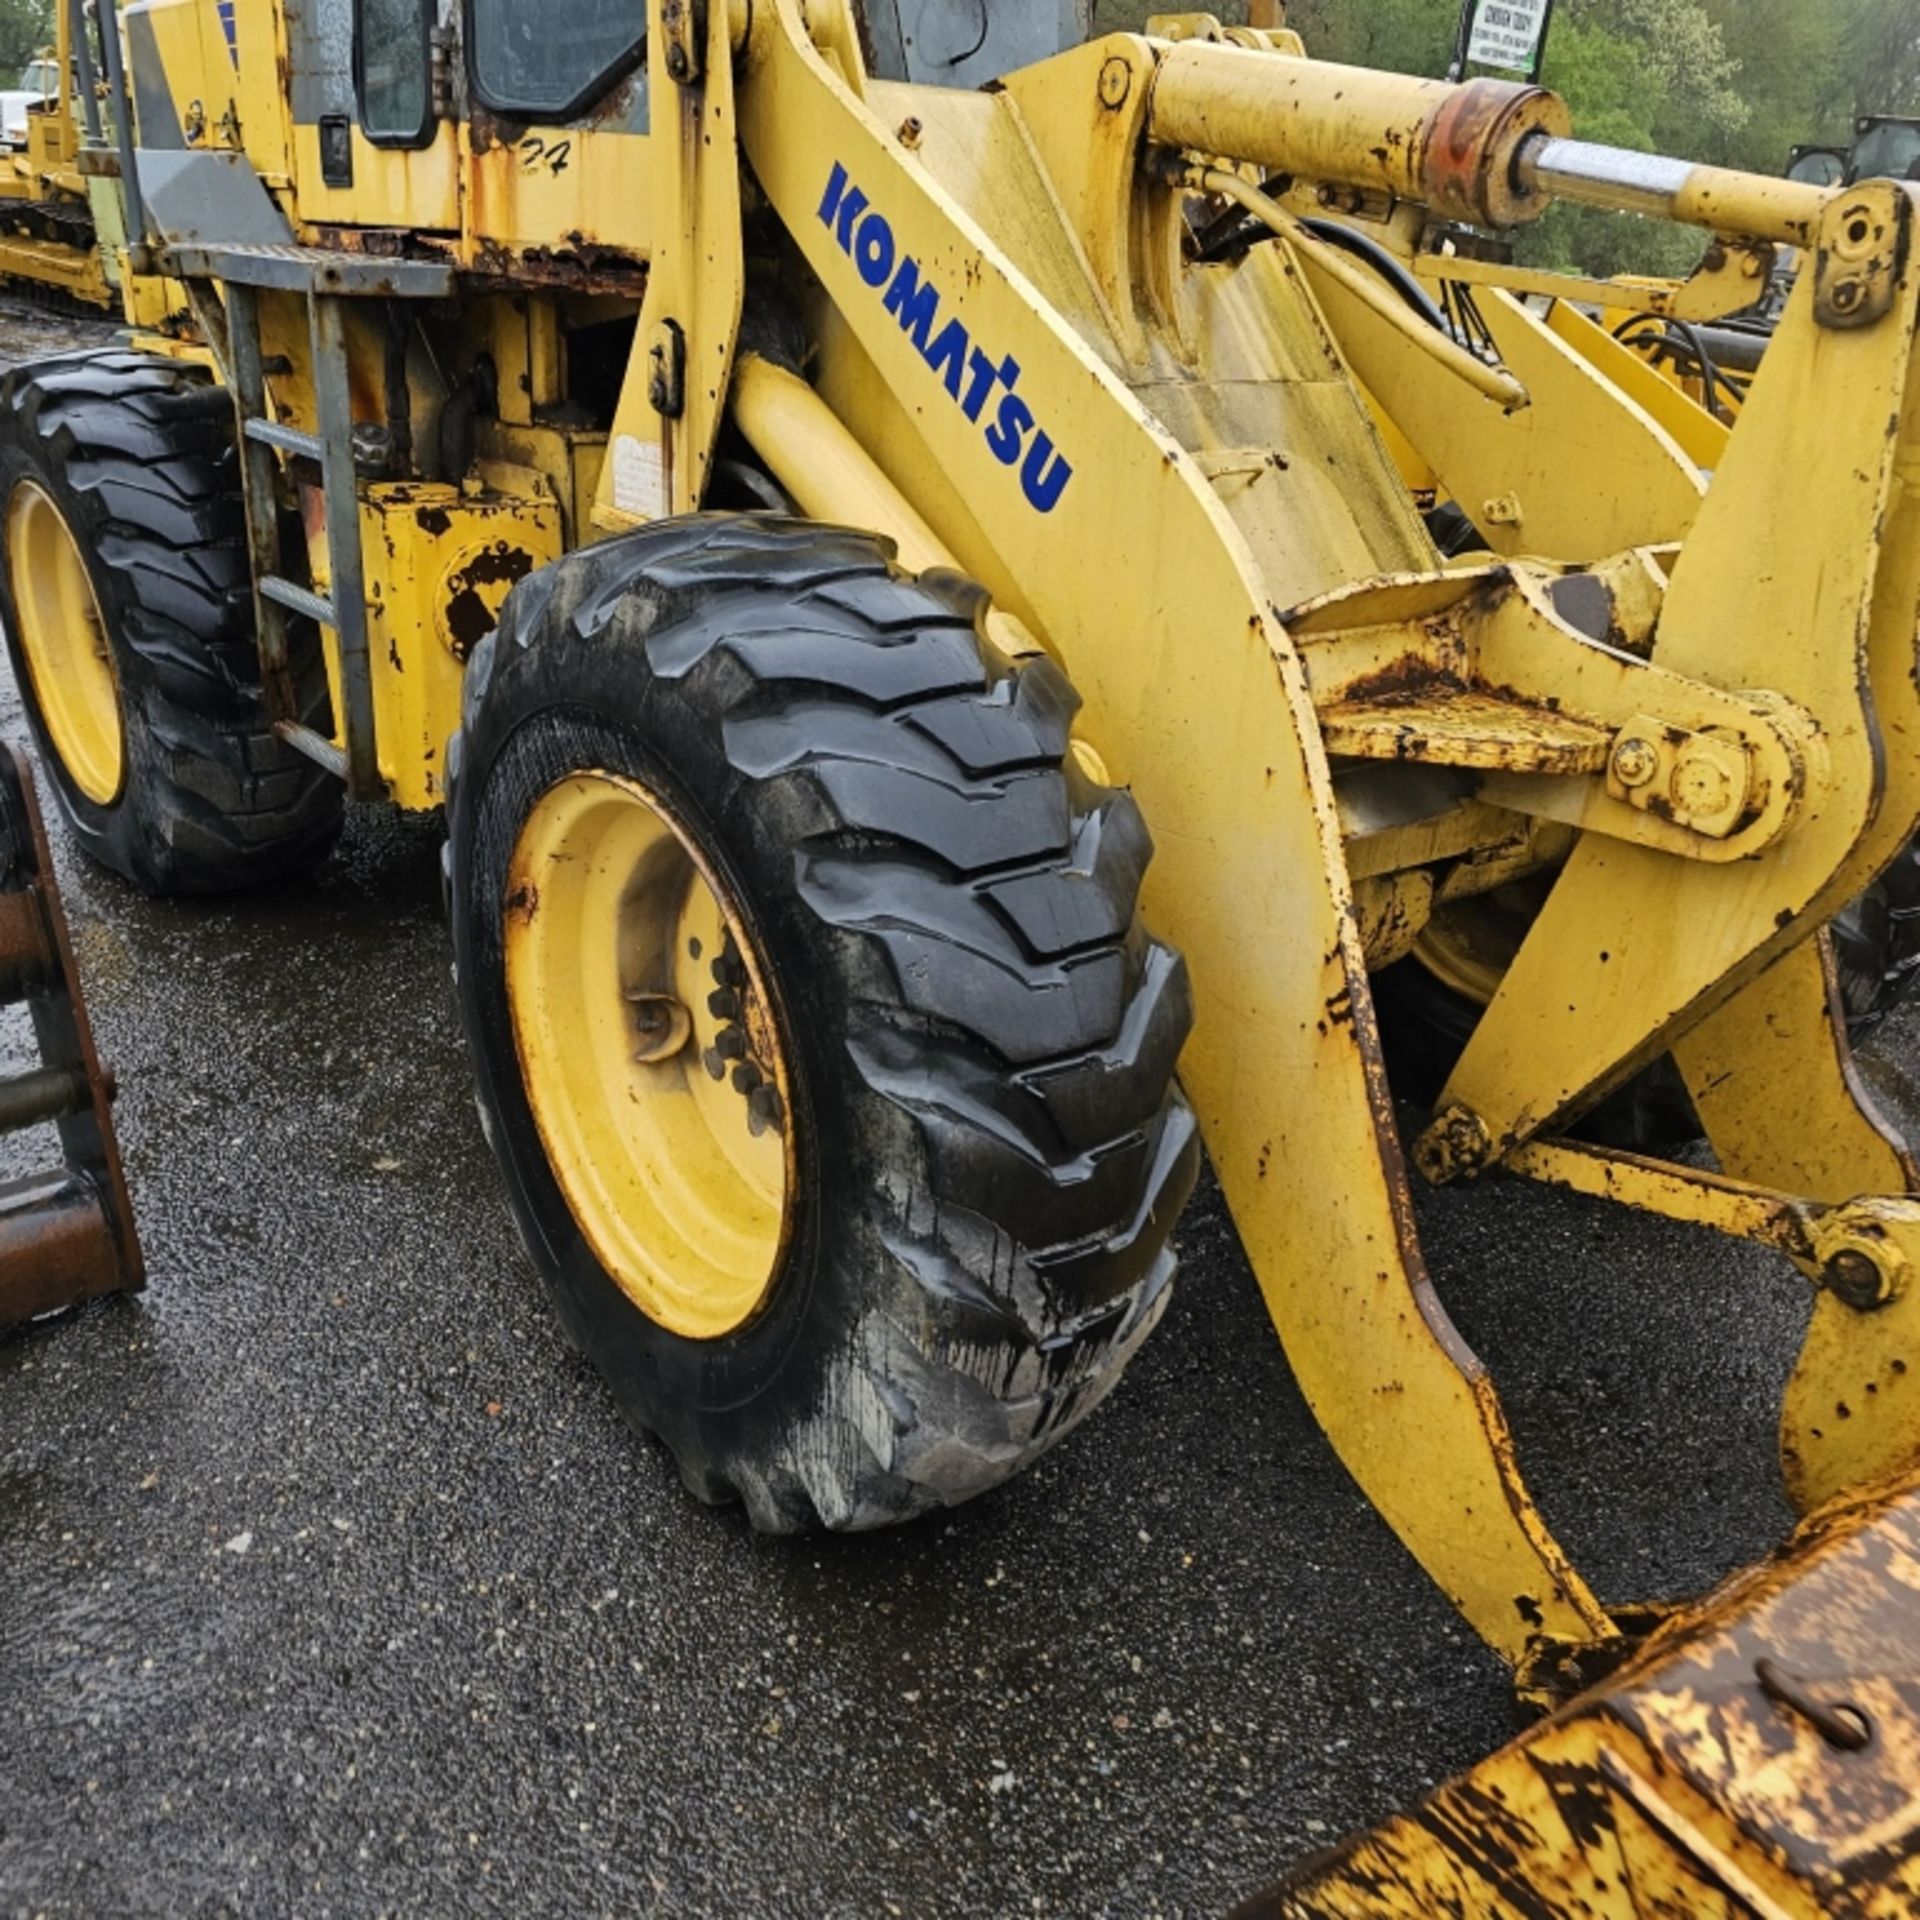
(511, 336)
(431, 549)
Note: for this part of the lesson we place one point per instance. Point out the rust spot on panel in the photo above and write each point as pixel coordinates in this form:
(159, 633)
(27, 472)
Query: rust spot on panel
(1412, 679)
(471, 611)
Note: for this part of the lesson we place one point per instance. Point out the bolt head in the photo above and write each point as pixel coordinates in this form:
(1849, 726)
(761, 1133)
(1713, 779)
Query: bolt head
(661, 1026)
(1635, 762)
(1116, 82)
(677, 64)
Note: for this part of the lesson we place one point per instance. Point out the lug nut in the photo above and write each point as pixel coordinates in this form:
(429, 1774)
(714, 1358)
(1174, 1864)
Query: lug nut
(730, 1043)
(764, 1111)
(724, 1004)
(747, 1077)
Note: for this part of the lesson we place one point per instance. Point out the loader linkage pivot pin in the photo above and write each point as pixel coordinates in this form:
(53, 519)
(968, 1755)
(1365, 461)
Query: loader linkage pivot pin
(1862, 1263)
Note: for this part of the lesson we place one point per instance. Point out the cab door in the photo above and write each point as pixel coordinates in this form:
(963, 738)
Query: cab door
(372, 148)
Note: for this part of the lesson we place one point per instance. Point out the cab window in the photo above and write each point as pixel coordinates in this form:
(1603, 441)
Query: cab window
(1890, 151)
(540, 61)
(393, 70)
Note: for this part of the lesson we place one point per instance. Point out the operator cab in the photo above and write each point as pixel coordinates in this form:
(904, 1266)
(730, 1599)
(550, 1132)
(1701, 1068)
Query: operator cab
(1884, 148)
(1887, 149)
(968, 43)
(531, 61)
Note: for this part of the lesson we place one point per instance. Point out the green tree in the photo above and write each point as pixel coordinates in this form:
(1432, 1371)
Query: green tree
(1880, 55)
(26, 26)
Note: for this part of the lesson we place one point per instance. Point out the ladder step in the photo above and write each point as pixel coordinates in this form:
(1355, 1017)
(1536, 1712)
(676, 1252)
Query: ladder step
(299, 600)
(322, 751)
(270, 433)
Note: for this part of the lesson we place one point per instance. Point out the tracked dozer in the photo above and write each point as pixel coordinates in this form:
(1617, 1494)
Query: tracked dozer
(62, 231)
(789, 482)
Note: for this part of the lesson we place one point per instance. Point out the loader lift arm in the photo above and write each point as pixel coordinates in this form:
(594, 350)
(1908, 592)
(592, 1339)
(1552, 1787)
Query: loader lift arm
(1202, 698)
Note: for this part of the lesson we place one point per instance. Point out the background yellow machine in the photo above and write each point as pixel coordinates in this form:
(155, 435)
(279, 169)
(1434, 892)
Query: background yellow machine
(62, 230)
(806, 518)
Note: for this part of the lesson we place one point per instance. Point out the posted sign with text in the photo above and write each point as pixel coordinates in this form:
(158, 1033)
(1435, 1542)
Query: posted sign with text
(1507, 33)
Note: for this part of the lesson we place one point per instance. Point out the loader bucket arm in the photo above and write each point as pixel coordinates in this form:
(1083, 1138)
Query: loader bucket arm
(1198, 700)
(1167, 477)
(1810, 590)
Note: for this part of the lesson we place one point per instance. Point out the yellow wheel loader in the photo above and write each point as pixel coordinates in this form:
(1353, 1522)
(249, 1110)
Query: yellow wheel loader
(61, 228)
(784, 477)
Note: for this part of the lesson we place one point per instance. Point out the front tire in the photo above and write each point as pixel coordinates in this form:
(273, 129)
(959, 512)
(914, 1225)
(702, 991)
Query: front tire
(127, 597)
(936, 955)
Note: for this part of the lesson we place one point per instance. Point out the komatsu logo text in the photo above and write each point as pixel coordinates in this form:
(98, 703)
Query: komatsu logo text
(971, 375)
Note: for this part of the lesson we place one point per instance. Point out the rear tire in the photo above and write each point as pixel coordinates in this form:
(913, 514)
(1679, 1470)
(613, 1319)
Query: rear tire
(1426, 1021)
(1876, 945)
(137, 455)
(989, 1149)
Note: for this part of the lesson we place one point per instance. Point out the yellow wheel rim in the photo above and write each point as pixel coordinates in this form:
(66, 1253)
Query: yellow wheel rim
(1449, 950)
(64, 641)
(1469, 945)
(651, 1054)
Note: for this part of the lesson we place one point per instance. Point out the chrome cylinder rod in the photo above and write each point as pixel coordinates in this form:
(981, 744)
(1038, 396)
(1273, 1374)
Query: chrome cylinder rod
(1746, 204)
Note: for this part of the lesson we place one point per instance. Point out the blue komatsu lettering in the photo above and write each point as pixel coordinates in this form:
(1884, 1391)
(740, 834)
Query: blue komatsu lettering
(969, 372)
(948, 355)
(873, 252)
(837, 184)
(1042, 483)
(843, 205)
(986, 376)
(914, 302)
(1008, 434)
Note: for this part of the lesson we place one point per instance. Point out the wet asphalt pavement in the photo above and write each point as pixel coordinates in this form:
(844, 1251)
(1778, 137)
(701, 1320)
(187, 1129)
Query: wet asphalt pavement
(330, 1583)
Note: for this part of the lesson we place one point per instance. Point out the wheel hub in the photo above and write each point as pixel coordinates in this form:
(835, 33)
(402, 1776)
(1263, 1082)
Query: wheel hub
(63, 639)
(651, 1053)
